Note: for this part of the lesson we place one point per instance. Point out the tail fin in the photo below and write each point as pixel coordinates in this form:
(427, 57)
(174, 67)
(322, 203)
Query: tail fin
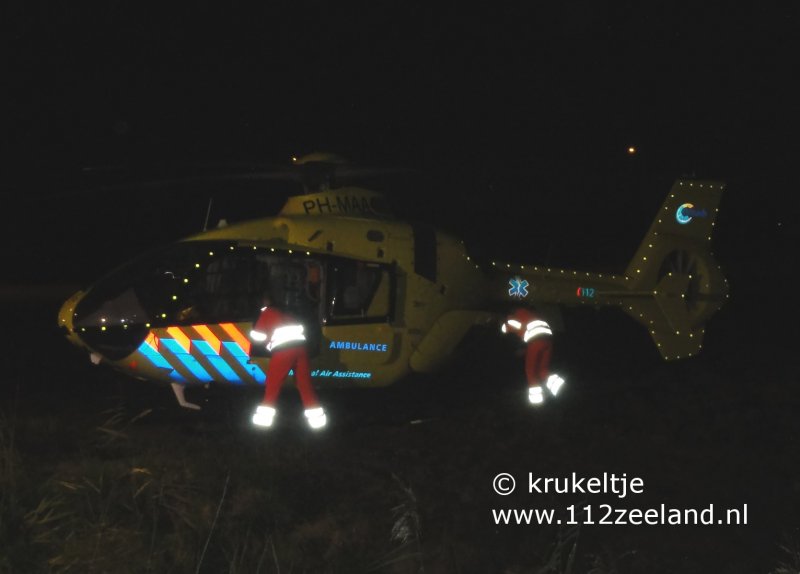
(674, 265)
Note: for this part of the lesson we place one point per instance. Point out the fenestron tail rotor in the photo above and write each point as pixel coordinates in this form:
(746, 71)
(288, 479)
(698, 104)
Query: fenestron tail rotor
(675, 261)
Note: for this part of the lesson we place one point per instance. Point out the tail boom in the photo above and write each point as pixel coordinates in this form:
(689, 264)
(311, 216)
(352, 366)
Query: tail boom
(672, 285)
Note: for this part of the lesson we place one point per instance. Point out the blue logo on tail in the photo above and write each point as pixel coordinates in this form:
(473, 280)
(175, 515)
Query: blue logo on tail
(687, 212)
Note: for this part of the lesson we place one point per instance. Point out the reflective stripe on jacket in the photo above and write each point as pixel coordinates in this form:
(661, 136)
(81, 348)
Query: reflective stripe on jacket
(533, 326)
(278, 329)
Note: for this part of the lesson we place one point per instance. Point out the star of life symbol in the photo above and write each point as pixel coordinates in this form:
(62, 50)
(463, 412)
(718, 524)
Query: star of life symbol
(519, 287)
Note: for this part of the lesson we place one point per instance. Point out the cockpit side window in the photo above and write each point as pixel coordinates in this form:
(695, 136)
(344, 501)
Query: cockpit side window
(232, 286)
(206, 282)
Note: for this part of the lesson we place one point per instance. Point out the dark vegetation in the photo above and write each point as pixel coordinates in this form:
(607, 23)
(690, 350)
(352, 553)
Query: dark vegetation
(102, 473)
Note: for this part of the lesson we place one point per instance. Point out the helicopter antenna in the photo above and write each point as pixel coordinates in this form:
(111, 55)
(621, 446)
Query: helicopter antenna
(208, 213)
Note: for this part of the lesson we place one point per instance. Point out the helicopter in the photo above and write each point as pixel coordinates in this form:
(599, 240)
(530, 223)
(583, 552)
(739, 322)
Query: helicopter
(388, 298)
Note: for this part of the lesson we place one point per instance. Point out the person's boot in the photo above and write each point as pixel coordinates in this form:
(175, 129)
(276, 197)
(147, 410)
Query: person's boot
(536, 395)
(264, 416)
(316, 417)
(554, 383)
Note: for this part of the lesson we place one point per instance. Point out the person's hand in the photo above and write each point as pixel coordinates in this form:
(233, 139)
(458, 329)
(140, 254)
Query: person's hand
(187, 313)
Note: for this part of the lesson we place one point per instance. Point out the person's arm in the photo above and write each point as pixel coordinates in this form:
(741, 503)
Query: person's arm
(261, 329)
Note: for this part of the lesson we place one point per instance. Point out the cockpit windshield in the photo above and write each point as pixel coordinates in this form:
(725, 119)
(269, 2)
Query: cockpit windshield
(204, 282)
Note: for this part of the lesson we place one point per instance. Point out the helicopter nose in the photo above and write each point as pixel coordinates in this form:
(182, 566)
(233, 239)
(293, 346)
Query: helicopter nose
(106, 325)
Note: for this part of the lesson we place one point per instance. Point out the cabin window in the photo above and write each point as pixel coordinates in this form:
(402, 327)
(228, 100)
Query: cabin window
(358, 292)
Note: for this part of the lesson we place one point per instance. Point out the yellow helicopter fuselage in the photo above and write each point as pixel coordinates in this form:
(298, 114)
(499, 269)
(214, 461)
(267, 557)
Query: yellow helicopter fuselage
(379, 298)
(415, 294)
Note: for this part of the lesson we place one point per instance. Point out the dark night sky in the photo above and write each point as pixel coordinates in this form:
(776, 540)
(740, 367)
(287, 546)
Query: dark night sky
(520, 112)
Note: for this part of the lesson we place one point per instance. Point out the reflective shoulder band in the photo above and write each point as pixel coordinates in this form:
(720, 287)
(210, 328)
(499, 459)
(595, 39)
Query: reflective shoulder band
(258, 336)
(287, 334)
(537, 331)
(514, 323)
(503, 328)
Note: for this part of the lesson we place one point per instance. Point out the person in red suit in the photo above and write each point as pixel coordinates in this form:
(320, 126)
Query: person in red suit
(284, 337)
(536, 334)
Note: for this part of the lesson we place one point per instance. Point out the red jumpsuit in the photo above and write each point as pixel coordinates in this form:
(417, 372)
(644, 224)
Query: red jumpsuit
(284, 337)
(536, 334)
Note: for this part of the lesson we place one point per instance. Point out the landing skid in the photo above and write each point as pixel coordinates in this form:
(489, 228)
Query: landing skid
(179, 390)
